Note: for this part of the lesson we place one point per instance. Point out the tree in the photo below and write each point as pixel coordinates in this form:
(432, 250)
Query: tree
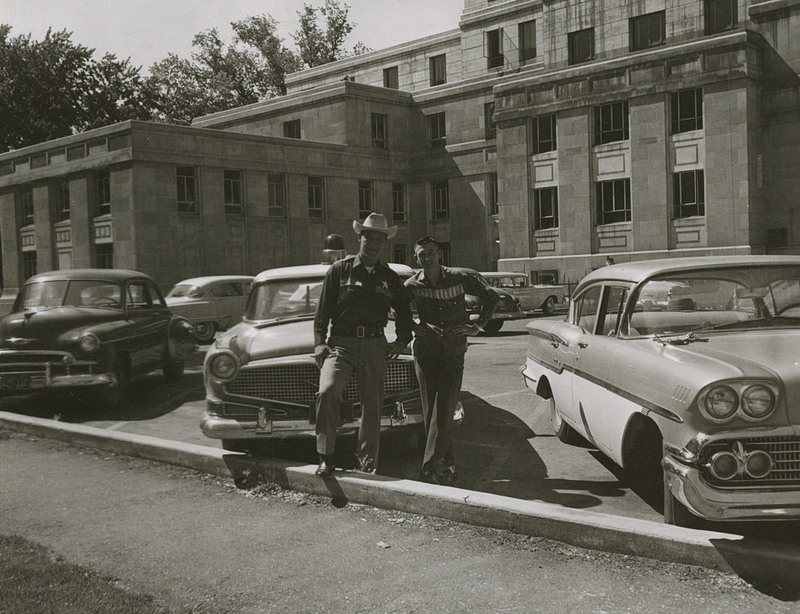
(318, 46)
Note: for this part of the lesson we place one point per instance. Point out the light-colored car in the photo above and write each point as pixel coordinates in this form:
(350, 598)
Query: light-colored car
(261, 378)
(684, 369)
(211, 304)
(531, 297)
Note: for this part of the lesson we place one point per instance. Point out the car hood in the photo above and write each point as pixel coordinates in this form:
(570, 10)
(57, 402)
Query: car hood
(38, 329)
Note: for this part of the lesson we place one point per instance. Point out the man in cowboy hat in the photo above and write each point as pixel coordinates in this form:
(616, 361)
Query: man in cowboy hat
(356, 297)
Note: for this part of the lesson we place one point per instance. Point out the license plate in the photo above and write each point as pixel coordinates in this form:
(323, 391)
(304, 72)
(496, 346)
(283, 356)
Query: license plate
(14, 382)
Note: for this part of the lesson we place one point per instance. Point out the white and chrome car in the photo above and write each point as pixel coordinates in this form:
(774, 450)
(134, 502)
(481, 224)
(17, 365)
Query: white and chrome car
(210, 303)
(684, 368)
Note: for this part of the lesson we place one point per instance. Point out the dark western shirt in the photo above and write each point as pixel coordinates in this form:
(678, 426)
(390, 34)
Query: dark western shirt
(441, 306)
(352, 296)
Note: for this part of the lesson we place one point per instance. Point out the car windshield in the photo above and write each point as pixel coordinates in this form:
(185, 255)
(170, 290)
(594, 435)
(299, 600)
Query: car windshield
(717, 299)
(185, 290)
(74, 293)
(284, 298)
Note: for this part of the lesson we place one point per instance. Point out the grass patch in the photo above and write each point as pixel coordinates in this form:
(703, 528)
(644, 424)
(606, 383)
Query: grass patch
(34, 580)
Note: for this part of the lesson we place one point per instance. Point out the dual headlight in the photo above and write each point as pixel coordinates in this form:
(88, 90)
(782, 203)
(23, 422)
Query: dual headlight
(753, 401)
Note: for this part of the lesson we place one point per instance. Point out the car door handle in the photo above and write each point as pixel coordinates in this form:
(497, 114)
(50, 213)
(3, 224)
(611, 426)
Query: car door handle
(583, 345)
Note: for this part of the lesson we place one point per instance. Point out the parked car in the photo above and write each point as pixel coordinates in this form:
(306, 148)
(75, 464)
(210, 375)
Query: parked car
(212, 303)
(507, 309)
(90, 331)
(261, 378)
(531, 297)
(686, 366)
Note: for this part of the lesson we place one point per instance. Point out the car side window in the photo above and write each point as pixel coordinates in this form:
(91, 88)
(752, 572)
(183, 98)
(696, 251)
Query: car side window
(138, 296)
(586, 308)
(227, 289)
(612, 310)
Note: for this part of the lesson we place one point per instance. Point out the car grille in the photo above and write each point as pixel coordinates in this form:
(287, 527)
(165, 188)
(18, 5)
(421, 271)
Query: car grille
(785, 454)
(34, 363)
(300, 383)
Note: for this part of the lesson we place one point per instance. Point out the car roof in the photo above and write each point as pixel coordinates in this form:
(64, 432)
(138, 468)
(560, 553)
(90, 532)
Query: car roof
(640, 270)
(119, 275)
(210, 279)
(317, 270)
(502, 274)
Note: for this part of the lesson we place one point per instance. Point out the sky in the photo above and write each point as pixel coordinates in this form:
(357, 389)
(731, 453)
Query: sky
(147, 30)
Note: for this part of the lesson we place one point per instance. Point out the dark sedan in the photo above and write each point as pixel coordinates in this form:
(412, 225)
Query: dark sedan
(90, 331)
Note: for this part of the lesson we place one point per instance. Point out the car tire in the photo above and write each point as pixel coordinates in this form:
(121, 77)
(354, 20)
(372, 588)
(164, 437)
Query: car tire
(675, 512)
(549, 306)
(173, 370)
(204, 332)
(564, 432)
(492, 327)
(113, 396)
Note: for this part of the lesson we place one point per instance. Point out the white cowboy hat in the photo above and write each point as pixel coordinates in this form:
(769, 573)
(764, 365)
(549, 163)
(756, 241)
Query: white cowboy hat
(377, 222)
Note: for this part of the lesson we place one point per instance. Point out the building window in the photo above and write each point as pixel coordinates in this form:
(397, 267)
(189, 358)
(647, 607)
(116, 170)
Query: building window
(581, 46)
(291, 130)
(26, 206)
(29, 266)
(545, 208)
(721, 15)
(379, 131)
(527, 41)
(364, 199)
(398, 202)
(494, 196)
(687, 110)
(441, 200)
(399, 253)
(648, 31)
(105, 255)
(493, 48)
(611, 123)
(102, 192)
(187, 189)
(613, 201)
(544, 133)
(316, 197)
(276, 194)
(234, 194)
(62, 200)
(688, 194)
(444, 246)
(438, 69)
(488, 121)
(437, 130)
(390, 78)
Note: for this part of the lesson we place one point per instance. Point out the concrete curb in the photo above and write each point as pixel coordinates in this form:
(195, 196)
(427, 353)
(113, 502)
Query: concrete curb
(749, 558)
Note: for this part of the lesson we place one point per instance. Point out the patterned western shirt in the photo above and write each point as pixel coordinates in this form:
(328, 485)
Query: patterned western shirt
(441, 306)
(352, 296)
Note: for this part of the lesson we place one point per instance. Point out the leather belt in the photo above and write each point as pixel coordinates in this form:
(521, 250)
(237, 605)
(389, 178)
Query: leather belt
(362, 332)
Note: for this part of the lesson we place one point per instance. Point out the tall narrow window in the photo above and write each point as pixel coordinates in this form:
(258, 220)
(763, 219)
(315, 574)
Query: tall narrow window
(399, 253)
(493, 48)
(444, 246)
(488, 121)
(29, 265)
(527, 41)
(291, 129)
(581, 46)
(545, 208)
(647, 31)
(688, 194)
(379, 131)
(613, 201)
(276, 194)
(398, 202)
(234, 192)
(104, 253)
(437, 130)
(441, 199)
(187, 189)
(494, 196)
(611, 123)
(26, 206)
(390, 78)
(544, 133)
(316, 197)
(721, 15)
(364, 199)
(62, 200)
(102, 192)
(438, 69)
(687, 110)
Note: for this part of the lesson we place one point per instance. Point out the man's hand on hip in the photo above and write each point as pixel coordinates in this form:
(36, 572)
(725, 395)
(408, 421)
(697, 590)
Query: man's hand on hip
(394, 349)
(321, 352)
(470, 330)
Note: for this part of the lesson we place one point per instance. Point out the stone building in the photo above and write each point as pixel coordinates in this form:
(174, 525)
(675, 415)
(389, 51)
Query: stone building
(536, 136)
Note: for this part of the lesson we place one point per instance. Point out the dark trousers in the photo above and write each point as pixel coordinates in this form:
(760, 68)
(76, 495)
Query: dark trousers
(367, 358)
(440, 379)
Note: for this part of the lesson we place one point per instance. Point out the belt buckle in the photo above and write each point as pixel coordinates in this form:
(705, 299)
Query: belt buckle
(360, 331)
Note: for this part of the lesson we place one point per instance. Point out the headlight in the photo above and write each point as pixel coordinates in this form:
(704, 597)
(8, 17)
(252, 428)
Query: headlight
(758, 401)
(721, 402)
(89, 342)
(224, 367)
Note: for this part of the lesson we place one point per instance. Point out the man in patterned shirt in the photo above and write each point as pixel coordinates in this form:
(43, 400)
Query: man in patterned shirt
(356, 297)
(440, 342)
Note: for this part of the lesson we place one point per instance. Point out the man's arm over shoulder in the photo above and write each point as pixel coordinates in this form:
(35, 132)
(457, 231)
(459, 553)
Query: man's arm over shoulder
(401, 303)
